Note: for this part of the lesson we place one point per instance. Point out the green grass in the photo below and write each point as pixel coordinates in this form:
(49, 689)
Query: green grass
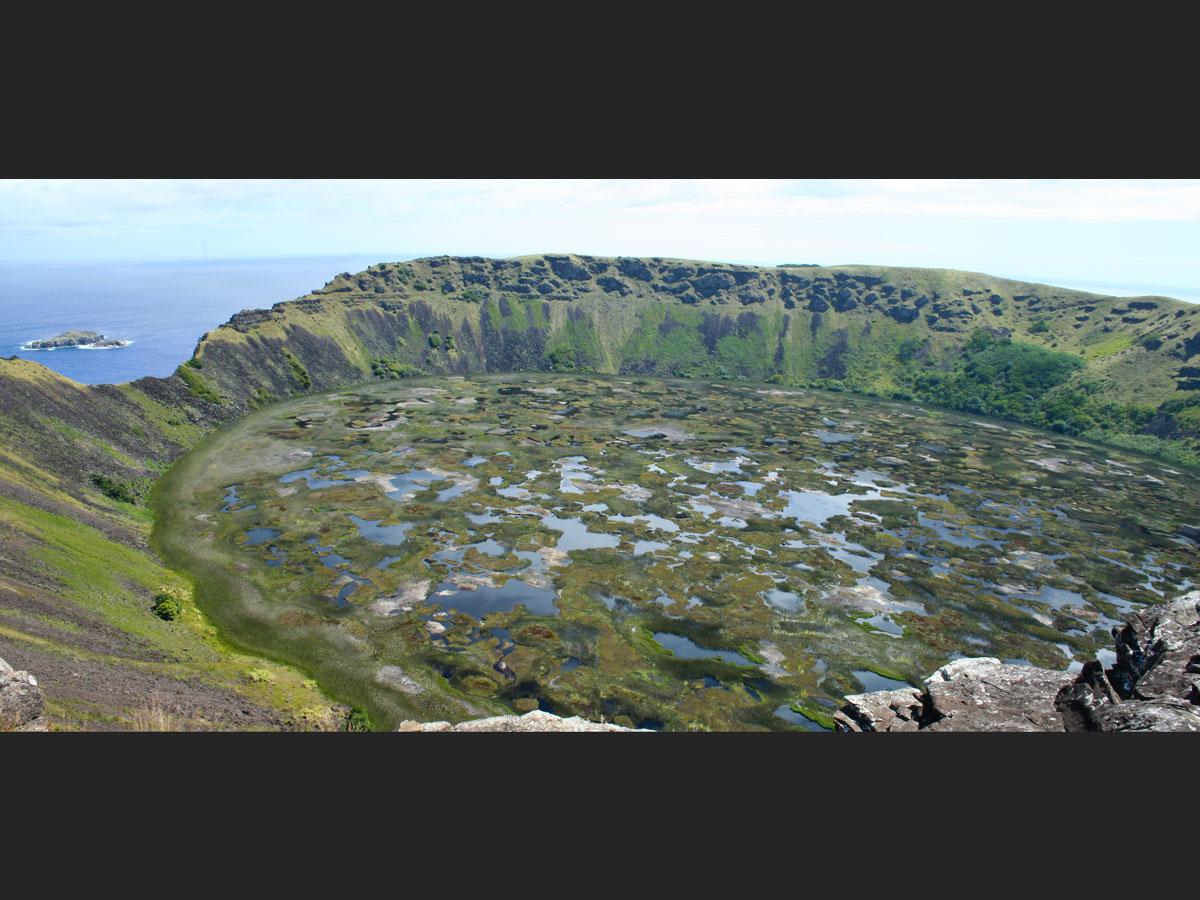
(197, 385)
(1107, 347)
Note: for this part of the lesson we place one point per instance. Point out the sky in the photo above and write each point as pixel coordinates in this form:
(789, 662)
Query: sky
(1130, 236)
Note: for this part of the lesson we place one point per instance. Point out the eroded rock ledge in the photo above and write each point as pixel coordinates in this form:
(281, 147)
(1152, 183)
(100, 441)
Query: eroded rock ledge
(1153, 686)
(537, 720)
(21, 701)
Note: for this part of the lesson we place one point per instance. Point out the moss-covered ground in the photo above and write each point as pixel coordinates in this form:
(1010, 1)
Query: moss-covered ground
(676, 554)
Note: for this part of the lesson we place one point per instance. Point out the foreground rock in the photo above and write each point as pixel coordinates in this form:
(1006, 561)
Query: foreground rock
(21, 701)
(1153, 686)
(531, 721)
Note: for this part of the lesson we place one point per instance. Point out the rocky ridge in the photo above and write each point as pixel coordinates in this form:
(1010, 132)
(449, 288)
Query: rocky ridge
(1153, 686)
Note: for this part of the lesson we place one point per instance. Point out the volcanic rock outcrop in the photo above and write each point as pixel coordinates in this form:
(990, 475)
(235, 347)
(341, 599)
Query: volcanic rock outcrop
(21, 701)
(1153, 686)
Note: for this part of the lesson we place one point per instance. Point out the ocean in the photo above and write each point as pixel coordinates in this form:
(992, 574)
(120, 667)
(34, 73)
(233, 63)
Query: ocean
(161, 307)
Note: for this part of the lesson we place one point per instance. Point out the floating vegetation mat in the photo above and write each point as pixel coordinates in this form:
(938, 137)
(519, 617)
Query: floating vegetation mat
(678, 555)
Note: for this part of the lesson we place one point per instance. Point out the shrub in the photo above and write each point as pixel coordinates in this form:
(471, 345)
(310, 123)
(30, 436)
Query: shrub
(167, 607)
(298, 371)
(116, 490)
(357, 720)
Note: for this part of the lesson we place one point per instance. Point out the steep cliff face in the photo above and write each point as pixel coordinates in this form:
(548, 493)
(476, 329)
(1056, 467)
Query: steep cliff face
(1129, 371)
(77, 580)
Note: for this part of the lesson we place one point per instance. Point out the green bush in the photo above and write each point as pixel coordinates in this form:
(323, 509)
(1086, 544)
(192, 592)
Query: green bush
(390, 367)
(357, 720)
(167, 607)
(1041, 326)
(298, 371)
(116, 490)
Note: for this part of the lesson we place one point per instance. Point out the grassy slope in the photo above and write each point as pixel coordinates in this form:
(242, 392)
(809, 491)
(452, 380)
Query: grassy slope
(77, 578)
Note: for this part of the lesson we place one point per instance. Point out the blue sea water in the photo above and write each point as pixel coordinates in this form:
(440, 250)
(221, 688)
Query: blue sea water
(162, 307)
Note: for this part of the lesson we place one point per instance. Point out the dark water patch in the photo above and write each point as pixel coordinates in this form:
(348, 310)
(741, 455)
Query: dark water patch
(390, 535)
(872, 681)
(789, 715)
(686, 648)
(413, 481)
(575, 534)
(256, 536)
(947, 533)
(786, 600)
(816, 506)
(883, 622)
(232, 500)
(484, 600)
(756, 687)
(850, 555)
(350, 586)
(311, 476)
(456, 490)
(490, 548)
(328, 558)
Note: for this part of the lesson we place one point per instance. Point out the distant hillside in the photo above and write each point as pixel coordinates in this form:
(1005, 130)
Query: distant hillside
(78, 580)
(882, 331)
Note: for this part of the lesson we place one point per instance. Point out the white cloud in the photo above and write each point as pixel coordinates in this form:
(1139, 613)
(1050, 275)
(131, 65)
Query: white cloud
(198, 203)
(746, 220)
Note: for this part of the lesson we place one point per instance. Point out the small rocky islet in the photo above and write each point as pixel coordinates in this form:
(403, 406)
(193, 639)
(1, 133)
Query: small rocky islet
(91, 339)
(665, 555)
